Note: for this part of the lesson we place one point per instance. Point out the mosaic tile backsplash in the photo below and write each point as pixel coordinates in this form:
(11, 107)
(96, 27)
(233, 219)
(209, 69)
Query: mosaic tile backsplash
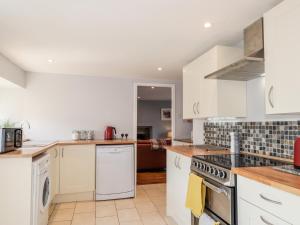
(274, 138)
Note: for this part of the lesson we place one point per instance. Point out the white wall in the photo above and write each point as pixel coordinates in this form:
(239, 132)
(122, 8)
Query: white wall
(255, 109)
(56, 104)
(12, 72)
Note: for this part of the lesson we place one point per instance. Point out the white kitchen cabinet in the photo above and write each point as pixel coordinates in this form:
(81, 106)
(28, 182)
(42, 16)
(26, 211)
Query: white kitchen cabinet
(282, 48)
(77, 168)
(252, 215)
(203, 98)
(178, 170)
(260, 204)
(54, 171)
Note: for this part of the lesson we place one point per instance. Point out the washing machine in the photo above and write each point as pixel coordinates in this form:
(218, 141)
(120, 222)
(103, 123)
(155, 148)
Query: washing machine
(40, 190)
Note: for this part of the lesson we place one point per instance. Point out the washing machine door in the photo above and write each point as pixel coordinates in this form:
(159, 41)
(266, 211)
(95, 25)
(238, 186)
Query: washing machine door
(45, 192)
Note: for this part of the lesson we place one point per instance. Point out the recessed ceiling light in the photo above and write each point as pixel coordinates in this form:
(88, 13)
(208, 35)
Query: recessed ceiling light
(159, 69)
(152, 87)
(50, 60)
(207, 25)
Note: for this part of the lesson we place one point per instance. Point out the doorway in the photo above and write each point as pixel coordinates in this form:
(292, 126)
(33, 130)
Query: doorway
(154, 124)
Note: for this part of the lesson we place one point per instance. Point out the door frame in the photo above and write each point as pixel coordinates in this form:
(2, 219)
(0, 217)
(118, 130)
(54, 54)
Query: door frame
(135, 99)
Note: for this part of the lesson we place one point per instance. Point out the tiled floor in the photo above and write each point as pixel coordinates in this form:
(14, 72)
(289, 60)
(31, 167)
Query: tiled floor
(148, 208)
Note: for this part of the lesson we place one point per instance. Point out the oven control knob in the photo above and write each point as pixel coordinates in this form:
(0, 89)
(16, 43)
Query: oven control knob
(199, 165)
(196, 164)
(208, 168)
(212, 170)
(216, 172)
(202, 166)
(222, 174)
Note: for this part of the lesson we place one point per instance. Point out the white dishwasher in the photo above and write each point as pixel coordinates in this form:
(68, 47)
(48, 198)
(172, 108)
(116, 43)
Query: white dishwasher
(115, 172)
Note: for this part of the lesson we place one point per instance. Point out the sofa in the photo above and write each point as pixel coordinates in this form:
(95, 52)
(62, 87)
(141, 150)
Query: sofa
(150, 158)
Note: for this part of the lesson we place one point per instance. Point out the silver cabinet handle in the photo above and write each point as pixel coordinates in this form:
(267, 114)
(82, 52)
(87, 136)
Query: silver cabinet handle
(175, 161)
(265, 221)
(56, 153)
(194, 108)
(197, 107)
(178, 163)
(270, 97)
(270, 200)
(62, 152)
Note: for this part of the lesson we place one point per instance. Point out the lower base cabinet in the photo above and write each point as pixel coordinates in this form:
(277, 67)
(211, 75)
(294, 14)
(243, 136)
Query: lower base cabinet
(260, 204)
(178, 170)
(77, 169)
(252, 215)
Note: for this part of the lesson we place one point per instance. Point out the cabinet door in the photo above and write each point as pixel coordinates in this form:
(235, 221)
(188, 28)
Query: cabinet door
(184, 164)
(77, 168)
(249, 214)
(171, 184)
(178, 169)
(54, 171)
(191, 85)
(282, 58)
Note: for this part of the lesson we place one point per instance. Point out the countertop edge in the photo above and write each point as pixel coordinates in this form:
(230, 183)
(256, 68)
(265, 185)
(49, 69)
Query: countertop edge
(35, 151)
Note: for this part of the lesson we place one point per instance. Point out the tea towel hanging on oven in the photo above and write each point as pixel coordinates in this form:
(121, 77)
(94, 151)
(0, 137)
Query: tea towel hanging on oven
(195, 199)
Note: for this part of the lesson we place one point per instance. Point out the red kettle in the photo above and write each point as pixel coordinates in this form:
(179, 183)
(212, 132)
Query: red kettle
(297, 153)
(110, 133)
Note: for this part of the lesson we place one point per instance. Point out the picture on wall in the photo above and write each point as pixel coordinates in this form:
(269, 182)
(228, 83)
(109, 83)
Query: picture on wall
(166, 113)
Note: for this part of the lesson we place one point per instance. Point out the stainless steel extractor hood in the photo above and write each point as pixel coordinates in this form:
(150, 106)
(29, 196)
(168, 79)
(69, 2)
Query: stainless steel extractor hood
(252, 64)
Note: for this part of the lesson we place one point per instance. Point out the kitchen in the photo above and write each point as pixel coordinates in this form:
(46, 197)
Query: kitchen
(239, 102)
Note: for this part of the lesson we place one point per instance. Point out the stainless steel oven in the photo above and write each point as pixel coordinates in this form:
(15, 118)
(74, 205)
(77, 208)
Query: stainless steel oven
(219, 202)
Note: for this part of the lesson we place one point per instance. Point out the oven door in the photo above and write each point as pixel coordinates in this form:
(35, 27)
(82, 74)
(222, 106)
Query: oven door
(220, 202)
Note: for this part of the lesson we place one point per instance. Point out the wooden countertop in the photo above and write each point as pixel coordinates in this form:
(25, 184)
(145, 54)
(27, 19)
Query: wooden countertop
(30, 152)
(274, 178)
(190, 151)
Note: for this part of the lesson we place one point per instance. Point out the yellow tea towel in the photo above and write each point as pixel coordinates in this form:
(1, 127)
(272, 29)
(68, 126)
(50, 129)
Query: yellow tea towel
(195, 199)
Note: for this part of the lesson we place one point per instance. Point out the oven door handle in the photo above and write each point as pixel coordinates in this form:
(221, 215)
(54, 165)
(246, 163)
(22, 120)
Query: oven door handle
(215, 188)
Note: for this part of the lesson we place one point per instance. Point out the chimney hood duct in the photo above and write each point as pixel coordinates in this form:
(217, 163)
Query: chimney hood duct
(252, 64)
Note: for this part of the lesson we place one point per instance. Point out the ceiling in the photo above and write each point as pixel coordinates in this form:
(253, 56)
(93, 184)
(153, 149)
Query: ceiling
(120, 38)
(154, 94)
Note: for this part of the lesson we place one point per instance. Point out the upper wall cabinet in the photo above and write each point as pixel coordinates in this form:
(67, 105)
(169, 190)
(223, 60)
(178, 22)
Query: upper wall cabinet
(203, 98)
(282, 48)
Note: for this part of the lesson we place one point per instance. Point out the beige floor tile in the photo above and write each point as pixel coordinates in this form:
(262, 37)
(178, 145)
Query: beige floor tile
(159, 201)
(145, 207)
(151, 186)
(61, 223)
(141, 199)
(84, 219)
(84, 207)
(106, 210)
(127, 215)
(62, 215)
(153, 218)
(155, 193)
(138, 222)
(169, 220)
(67, 205)
(162, 210)
(124, 204)
(105, 203)
(139, 187)
(107, 221)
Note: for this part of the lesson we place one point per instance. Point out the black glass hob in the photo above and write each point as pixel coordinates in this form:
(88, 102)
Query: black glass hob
(229, 161)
